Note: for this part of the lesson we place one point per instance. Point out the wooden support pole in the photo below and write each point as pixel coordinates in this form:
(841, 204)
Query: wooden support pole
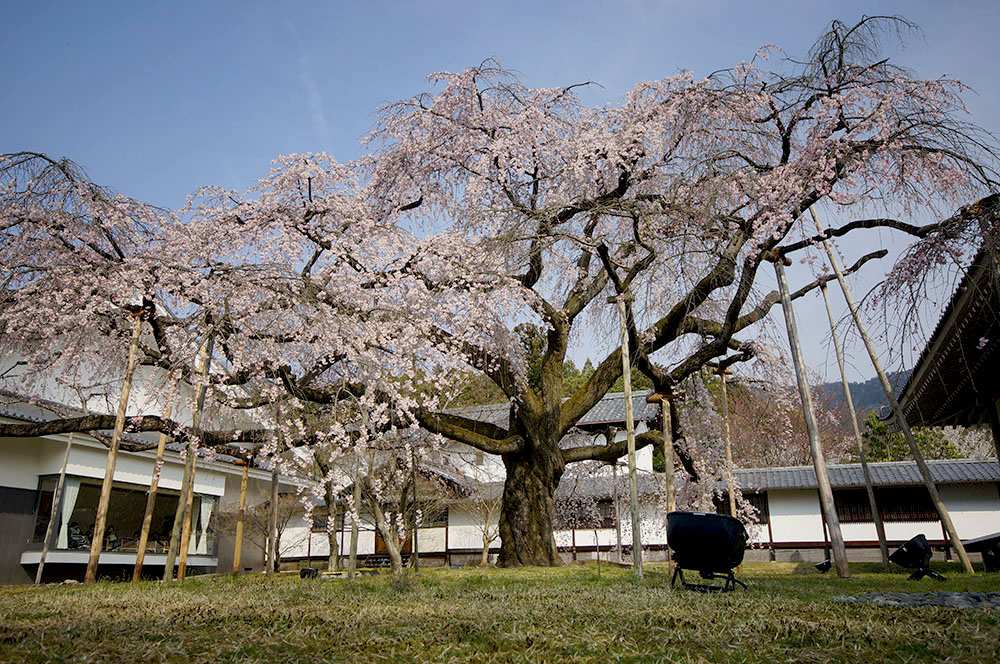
(54, 511)
(633, 483)
(669, 492)
(879, 526)
(272, 526)
(184, 501)
(413, 478)
(109, 471)
(352, 560)
(897, 410)
(730, 481)
(203, 364)
(815, 447)
(154, 483)
(618, 511)
(186, 523)
(175, 531)
(238, 552)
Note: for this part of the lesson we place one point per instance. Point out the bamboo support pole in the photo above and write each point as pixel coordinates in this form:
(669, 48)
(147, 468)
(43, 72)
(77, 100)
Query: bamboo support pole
(54, 511)
(237, 553)
(815, 447)
(109, 472)
(154, 483)
(897, 410)
(879, 525)
(633, 483)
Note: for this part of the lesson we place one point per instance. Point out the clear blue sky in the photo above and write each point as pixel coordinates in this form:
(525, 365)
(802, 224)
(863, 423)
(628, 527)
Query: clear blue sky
(155, 99)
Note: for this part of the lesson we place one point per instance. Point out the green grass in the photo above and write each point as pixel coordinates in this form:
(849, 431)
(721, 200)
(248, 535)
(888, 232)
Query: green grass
(551, 615)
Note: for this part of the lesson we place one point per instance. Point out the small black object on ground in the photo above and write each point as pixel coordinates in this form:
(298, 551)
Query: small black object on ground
(710, 544)
(916, 555)
(308, 573)
(824, 566)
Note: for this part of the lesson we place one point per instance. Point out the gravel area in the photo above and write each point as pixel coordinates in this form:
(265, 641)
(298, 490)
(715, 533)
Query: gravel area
(952, 600)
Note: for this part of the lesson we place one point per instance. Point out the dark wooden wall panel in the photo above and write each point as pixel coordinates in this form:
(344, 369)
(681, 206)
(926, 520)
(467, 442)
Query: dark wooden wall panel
(17, 511)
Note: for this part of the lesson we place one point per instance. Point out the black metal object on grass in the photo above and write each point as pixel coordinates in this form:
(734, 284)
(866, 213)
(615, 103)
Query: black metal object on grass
(916, 555)
(710, 544)
(989, 546)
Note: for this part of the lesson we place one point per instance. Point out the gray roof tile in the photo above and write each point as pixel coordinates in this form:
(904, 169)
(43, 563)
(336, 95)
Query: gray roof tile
(894, 473)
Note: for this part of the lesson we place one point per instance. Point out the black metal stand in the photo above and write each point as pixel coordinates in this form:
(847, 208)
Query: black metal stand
(728, 586)
(925, 571)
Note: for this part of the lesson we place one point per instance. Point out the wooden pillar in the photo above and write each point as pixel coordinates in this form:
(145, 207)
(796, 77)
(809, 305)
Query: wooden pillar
(897, 410)
(731, 482)
(54, 511)
(447, 552)
(633, 482)
(272, 528)
(826, 534)
(204, 362)
(238, 552)
(154, 483)
(413, 478)
(352, 559)
(618, 510)
(771, 554)
(815, 447)
(184, 501)
(186, 524)
(109, 471)
(341, 550)
(666, 427)
(876, 515)
(175, 531)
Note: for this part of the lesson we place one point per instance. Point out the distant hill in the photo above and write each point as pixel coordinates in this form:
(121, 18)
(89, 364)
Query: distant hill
(867, 396)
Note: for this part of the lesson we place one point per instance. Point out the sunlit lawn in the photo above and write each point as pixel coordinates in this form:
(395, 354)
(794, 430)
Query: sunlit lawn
(553, 615)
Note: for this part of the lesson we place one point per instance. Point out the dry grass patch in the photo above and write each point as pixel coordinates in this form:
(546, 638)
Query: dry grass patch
(568, 614)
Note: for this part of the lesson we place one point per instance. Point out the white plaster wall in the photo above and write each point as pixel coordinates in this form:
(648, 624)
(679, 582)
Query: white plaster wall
(605, 536)
(464, 531)
(21, 460)
(91, 462)
(795, 516)
(974, 508)
(431, 540)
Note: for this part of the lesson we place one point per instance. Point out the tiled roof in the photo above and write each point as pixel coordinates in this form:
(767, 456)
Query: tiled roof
(609, 410)
(894, 473)
(600, 486)
(957, 368)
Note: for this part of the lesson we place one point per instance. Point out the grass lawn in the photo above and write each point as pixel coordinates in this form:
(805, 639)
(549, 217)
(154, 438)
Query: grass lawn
(551, 615)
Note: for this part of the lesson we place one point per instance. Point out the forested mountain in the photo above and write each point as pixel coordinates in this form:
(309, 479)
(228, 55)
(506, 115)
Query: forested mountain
(867, 395)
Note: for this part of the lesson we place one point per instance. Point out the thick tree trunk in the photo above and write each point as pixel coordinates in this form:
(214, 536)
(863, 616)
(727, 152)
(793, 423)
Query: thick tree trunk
(526, 518)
